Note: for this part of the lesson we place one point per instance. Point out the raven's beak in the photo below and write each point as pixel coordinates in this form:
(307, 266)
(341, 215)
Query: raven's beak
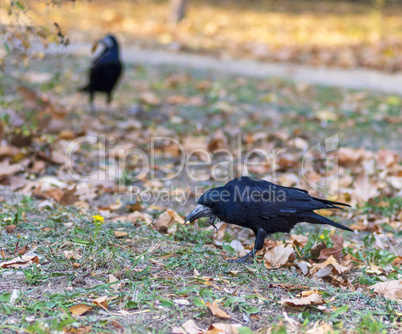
(106, 41)
(95, 46)
(199, 211)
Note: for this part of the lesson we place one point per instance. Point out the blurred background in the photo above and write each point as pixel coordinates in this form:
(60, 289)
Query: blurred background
(344, 34)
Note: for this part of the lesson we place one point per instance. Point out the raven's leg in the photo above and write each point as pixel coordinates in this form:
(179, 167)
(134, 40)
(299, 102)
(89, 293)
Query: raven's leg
(260, 236)
(91, 101)
(108, 99)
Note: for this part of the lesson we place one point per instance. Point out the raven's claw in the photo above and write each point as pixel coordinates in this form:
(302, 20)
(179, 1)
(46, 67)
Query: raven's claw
(242, 259)
(212, 221)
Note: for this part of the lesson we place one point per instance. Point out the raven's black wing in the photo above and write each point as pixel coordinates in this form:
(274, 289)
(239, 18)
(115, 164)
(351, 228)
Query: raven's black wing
(272, 200)
(104, 76)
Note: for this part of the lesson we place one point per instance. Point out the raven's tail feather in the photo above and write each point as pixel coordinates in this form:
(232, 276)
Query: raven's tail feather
(331, 206)
(331, 203)
(314, 218)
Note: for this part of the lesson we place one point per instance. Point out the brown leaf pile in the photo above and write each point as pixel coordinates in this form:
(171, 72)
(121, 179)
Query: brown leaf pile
(330, 265)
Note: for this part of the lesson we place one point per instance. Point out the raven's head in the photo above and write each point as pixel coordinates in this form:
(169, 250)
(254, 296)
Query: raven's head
(108, 41)
(207, 206)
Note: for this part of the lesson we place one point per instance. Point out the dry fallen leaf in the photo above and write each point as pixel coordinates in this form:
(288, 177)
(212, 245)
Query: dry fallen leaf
(197, 146)
(325, 269)
(216, 311)
(120, 234)
(308, 293)
(6, 169)
(69, 197)
(390, 290)
(350, 157)
(166, 220)
(10, 228)
(117, 325)
(14, 296)
(196, 273)
(176, 217)
(320, 328)
(335, 251)
(72, 255)
(112, 207)
(327, 115)
(374, 269)
(78, 330)
(101, 302)
(23, 250)
(113, 279)
(150, 98)
(189, 327)
(81, 205)
(299, 240)
(304, 267)
(53, 157)
(219, 141)
(86, 191)
(364, 189)
(67, 135)
(278, 256)
(79, 309)
(313, 299)
(21, 261)
(8, 151)
(221, 328)
(135, 217)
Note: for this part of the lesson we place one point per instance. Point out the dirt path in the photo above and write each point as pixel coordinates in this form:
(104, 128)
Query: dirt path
(348, 78)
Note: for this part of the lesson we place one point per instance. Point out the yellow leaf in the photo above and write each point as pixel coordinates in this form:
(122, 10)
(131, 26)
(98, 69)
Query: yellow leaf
(120, 234)
(175, 216)
(308, 293)
(79, 309)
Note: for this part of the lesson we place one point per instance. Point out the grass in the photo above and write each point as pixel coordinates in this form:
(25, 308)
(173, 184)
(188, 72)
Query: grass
(157, 271)
(249, 104)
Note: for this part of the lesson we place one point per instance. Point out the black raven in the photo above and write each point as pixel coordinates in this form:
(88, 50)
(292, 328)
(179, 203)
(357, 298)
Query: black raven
(105, 70)
(262, 206)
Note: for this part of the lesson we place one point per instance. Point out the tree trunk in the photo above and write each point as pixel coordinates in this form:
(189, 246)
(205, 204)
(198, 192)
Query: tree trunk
(177, 10)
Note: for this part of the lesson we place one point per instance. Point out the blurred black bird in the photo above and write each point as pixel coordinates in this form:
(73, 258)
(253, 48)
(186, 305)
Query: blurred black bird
(263, 207)
(105, 70)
